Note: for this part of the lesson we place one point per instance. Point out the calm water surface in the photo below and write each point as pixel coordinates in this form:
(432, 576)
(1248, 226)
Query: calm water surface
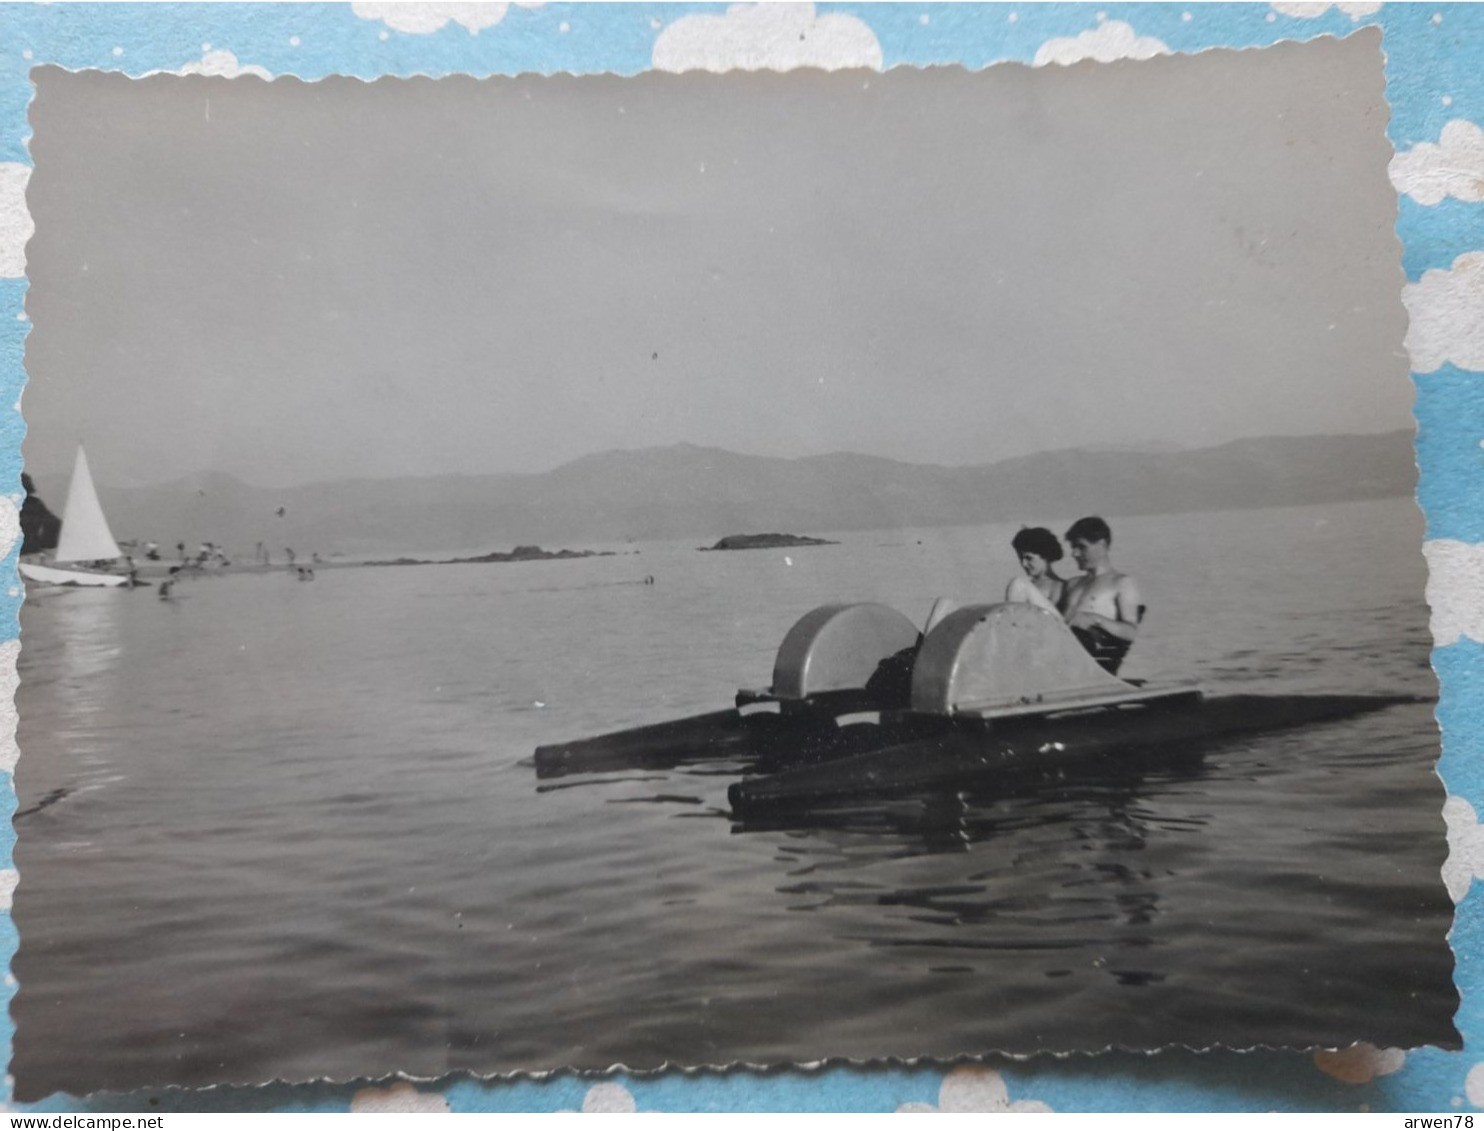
(286, 830)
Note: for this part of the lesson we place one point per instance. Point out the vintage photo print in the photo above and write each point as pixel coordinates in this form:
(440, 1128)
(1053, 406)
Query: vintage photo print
(562, 572)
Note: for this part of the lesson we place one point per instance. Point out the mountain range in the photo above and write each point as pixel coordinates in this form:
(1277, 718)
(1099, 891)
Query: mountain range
(707, 493)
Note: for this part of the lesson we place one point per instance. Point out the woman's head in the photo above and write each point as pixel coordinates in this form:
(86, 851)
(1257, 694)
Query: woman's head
(1037, 548)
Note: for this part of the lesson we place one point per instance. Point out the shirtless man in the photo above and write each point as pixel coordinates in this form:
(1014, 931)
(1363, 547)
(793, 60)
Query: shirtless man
(1102, 606)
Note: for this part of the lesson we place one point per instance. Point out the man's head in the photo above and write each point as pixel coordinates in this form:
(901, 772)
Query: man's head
(1089, 538)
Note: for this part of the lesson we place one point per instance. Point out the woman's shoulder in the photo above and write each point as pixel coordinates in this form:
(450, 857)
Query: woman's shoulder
(1019, 589)
(1061, 592)
(1022, 590)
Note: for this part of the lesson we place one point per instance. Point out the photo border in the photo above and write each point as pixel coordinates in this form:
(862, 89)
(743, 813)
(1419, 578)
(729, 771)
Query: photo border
(1433, 80)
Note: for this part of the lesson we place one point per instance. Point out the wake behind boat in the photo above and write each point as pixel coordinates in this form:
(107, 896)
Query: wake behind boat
(87, 554)
(861, 704)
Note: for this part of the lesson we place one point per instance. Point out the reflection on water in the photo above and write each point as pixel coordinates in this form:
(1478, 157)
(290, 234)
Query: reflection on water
(87, 640)
(282, 830)
(1011, 896)
(81, 661)
(1110, 877)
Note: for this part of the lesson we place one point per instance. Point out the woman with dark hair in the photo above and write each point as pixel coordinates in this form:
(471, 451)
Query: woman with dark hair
(1038, 550)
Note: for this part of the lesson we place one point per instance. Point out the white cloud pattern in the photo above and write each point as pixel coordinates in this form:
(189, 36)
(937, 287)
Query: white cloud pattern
(762, 37)
(1455, 589)
(608, 1097)
(1110, 40)
(424, 19)
(1312, 10)
(9, 681)
(1473, 1085)
(975, 1088)
(10, 524)
(400, 1097)
(1452, 166)
(1360, 1063)
(16, 225)
(223, 64)
(1465, 861)
(1447, 316)
(604, 1098)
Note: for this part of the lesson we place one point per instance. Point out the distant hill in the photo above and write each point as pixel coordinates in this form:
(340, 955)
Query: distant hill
(706, 493)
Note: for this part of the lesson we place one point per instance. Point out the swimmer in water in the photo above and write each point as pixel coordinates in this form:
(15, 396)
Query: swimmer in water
(1102, 606)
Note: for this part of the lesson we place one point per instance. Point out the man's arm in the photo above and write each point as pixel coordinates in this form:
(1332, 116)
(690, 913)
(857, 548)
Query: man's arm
(1130, 606)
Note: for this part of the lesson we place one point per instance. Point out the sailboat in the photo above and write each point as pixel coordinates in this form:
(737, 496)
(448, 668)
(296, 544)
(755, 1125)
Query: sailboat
(85, 538)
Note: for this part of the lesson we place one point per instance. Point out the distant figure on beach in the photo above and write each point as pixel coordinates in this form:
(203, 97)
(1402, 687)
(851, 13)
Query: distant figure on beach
(1102, 606)
(165, 587)
(1038, 550)
(288, 553)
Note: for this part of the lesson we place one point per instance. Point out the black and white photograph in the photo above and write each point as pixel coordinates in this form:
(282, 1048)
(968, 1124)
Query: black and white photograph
(692, 570)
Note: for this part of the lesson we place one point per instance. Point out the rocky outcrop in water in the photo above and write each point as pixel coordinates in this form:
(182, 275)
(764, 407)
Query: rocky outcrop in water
(519, 554)
(765, 542)
(40, 529)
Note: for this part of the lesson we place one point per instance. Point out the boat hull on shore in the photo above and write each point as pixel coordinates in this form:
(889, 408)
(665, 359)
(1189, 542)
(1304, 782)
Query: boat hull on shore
(76, 578)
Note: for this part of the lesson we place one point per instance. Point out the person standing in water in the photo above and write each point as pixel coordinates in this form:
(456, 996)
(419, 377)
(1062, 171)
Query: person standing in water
(1038, 550)
(1102, 606)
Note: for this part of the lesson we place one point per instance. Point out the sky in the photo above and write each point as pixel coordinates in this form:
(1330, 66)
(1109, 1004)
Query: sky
(294, 282)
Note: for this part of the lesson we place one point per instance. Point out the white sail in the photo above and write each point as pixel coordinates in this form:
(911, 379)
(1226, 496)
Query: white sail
(85, 534)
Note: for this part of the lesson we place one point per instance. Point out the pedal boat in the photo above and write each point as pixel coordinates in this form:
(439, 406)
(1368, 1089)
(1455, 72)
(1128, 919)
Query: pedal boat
(861, 704)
